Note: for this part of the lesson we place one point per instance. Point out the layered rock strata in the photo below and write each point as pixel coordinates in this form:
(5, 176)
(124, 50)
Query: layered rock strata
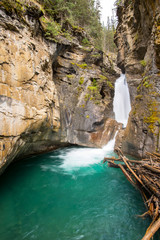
(51, 93)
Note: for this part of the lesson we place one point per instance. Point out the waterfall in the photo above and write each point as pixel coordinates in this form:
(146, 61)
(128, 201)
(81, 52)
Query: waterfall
(121, 102)
(76, 158)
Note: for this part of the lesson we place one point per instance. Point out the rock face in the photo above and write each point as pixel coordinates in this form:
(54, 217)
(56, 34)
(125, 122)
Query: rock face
(138, 42)
(85, 87)
(51, 94)
(29, 106)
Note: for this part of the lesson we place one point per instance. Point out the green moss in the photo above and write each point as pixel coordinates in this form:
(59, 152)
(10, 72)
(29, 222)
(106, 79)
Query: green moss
(70, 76)
(143, 63)
(134, 112)
(87, 97)
(87, 116)
(153, 116)
(138, 88)
(102, 77)
(147, 85)
(92, 88)
(96, 55)
(147, 108)
(139, 97)
(83, 65)
(82, 106)
(144, 82)
(136, 37)
(81, 81)
(145, 78)
(94, 82)
(109, 84)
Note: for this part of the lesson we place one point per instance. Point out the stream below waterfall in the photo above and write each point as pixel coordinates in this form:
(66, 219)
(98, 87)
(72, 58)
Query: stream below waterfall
(69, 194)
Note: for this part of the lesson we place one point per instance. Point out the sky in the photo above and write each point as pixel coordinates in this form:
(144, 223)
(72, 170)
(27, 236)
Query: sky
(107, 6)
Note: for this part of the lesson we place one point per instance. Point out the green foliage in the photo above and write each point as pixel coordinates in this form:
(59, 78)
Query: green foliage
(87, 116)
(13, 6)
(69, 18)
(108, 35)
(52, 29)
(85, 41)
(80, 14)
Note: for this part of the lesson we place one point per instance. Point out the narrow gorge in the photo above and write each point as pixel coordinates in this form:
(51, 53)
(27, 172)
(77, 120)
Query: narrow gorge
(52, 93)
(65, 104)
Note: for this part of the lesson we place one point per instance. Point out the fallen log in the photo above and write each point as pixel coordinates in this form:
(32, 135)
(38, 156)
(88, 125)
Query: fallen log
(120, 160)
(143, 174)
(153, 169)
(152, 230)
(111, 159)
(127, 175)
(113, 164)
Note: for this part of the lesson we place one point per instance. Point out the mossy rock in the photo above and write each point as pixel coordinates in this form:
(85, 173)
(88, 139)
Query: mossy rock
(13, 6)
(139, 97)
(143, 63)
(81, 81)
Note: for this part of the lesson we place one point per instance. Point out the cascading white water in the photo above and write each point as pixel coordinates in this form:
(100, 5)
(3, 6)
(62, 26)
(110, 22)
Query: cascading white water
(76, 158)
(121, 102)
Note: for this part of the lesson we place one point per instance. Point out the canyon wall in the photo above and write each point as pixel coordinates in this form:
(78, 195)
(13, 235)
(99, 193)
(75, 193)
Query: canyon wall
(52, 93)
(138, 42)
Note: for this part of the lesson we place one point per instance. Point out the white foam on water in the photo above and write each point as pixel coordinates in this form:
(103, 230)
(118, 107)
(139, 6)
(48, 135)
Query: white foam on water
(84, 157)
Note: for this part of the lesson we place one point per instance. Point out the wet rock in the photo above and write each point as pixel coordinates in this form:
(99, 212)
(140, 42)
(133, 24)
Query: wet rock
(137, 39)
(51, 94)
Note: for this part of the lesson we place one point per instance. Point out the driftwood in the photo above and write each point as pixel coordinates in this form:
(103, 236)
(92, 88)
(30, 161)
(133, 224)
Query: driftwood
(143, 174)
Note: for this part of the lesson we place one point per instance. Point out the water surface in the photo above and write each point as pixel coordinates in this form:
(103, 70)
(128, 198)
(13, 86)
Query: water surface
(69, 194)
